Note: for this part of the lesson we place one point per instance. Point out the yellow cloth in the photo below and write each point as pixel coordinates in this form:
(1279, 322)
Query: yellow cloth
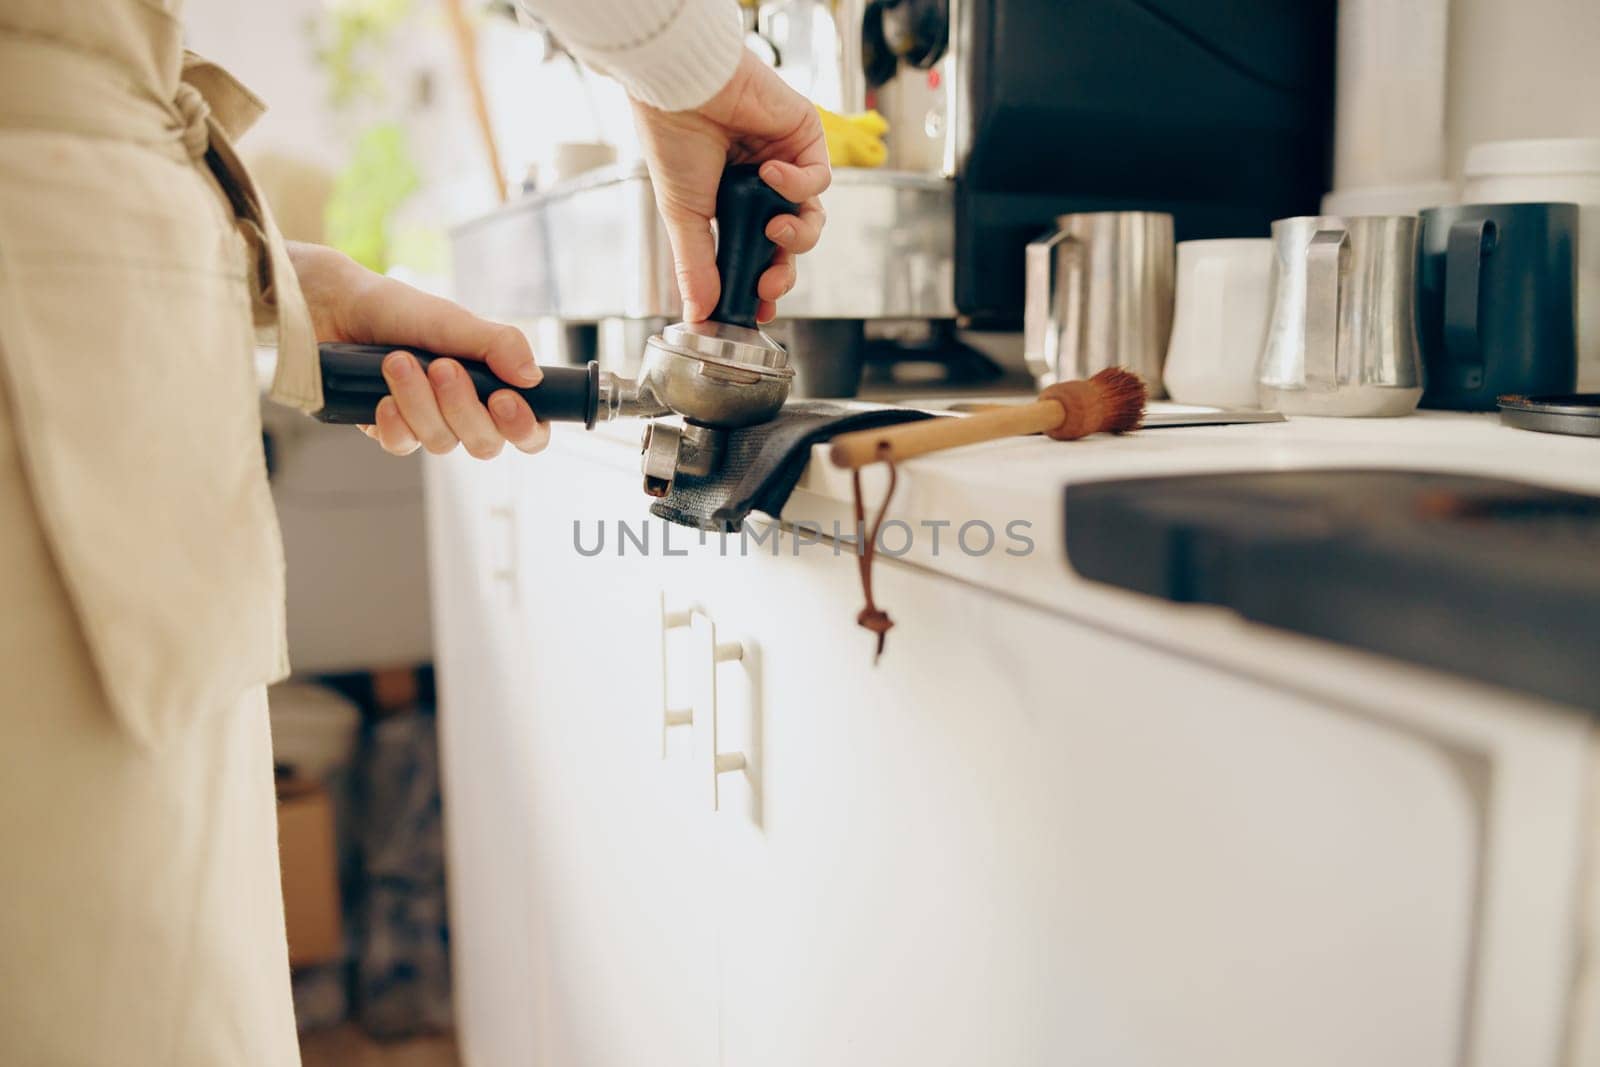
(855, 140)
(142, 570)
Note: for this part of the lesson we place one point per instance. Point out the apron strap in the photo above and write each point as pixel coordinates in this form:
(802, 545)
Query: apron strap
(56, 85)
(216, 109)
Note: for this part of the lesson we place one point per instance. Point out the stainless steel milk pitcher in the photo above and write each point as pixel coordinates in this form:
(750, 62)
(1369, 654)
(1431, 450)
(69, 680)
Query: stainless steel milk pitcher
(1099, 294)
(1343, 335)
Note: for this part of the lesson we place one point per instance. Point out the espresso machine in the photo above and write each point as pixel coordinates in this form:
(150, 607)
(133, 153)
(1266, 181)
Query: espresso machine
(1004, 114)
(1216, 113)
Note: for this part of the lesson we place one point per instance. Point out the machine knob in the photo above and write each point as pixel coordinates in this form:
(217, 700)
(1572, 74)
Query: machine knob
(918, 31)
(878, 61)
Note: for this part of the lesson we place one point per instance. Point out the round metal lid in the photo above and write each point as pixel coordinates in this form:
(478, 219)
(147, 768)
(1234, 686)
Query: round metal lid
(1577, 414)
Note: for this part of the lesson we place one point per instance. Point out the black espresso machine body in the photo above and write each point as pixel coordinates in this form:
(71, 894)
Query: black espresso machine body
(1216, 111)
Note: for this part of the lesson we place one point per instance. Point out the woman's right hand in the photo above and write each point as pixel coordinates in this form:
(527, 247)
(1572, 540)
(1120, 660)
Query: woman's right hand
(755, 118)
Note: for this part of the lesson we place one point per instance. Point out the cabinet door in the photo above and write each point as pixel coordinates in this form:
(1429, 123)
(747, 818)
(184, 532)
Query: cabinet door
(625, 946)
(477, 648)
(1021, 841)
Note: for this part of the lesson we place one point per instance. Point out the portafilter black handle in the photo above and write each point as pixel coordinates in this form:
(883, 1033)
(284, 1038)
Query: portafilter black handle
(745, 204)
(352, 385)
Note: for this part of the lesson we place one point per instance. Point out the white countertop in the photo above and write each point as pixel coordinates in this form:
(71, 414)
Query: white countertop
(1022, 480)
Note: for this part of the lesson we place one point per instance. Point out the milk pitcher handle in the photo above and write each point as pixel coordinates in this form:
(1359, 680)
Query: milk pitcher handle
(1045, 321)
(1068, 310)
(1470, 240)
(1327, 258)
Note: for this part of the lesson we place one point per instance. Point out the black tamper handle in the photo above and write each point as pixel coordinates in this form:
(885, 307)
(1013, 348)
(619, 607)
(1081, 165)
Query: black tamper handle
(745, 204)
(352, 385)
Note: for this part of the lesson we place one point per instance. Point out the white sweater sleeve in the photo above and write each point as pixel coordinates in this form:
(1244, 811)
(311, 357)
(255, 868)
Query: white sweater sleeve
(672, 54)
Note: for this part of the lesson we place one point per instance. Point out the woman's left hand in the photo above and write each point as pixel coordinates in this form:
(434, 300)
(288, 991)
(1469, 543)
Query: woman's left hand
(438, 408)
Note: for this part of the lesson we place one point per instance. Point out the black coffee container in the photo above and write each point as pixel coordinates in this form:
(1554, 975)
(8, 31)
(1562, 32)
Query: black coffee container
(1496, 302)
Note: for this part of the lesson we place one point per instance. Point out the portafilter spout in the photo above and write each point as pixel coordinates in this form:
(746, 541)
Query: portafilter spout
(721, 374)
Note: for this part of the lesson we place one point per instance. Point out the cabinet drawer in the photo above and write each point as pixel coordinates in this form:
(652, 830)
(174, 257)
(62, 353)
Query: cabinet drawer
(1016, 840)
(1019, 839)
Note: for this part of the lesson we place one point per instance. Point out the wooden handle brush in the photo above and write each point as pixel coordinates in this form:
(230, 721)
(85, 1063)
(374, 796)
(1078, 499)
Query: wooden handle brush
(1110, 402)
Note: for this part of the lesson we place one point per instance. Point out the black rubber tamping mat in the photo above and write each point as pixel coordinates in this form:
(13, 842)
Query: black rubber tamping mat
(1493, 580)
(760, 465)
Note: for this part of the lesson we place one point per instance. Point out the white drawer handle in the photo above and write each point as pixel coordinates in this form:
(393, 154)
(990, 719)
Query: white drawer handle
(671, 716)
(507, 571)
(722, 762)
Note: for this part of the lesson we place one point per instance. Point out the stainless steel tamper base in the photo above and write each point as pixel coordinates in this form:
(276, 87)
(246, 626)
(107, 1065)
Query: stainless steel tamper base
(715, 375)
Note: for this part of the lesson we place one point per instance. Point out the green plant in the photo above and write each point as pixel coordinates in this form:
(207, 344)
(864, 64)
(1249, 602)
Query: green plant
(348, 41)
(379, 177)
(351, 42)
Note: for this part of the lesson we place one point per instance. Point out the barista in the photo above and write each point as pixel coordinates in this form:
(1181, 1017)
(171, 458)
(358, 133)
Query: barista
(139, 558)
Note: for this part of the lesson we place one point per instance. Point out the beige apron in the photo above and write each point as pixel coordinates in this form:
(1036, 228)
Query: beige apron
(140, 564)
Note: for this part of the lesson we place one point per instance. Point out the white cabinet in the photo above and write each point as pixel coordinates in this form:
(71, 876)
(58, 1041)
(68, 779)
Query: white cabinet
(488, 822)
(626, 944)
(1019, 840)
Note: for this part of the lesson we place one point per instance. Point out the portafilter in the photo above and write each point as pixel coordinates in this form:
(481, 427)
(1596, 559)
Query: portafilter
(719, 375)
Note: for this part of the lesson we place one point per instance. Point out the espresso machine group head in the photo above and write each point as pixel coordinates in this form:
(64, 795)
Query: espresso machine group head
(719, 375)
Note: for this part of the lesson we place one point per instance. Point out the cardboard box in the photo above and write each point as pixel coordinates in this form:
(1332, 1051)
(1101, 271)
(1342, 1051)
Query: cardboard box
(308, 861)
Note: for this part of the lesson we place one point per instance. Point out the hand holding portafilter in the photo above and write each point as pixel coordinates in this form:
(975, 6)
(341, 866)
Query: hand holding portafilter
(353, 383)
(719, 374)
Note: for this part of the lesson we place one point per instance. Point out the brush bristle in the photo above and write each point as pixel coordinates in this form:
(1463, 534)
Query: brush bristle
(1122, 397)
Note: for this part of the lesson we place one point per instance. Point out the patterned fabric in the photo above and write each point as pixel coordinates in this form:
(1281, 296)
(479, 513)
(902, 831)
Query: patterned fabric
(671, 54)
(403, 953)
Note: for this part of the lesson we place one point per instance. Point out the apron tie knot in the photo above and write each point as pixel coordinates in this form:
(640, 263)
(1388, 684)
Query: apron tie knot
(192, 113)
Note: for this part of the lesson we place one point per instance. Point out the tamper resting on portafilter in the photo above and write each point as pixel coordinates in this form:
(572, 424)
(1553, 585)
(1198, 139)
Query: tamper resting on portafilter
(720, 375)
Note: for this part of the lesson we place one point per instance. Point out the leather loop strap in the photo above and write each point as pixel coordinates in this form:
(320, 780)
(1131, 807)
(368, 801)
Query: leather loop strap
(872, 617)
